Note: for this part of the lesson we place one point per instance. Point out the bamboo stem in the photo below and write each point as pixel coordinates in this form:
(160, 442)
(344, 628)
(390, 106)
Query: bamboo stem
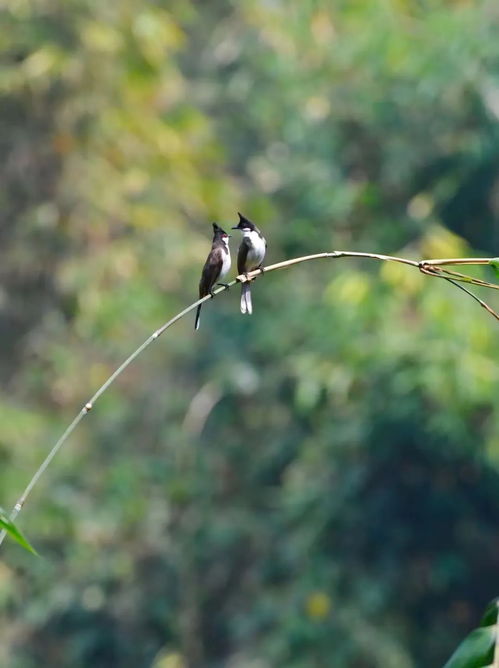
(427, 267)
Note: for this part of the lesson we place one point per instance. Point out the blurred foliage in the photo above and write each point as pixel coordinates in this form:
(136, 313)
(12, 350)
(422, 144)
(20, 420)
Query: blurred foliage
(316, 485)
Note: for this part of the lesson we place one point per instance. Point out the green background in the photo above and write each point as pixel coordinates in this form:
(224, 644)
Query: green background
(316, 485)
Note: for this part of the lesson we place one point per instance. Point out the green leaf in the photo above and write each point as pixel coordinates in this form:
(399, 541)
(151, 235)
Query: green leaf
(494, 263)
(14, 532)
(490, 615)
(476, 650)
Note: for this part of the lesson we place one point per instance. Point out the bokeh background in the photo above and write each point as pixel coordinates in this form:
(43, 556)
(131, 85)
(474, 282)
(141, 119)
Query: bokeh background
(316, 485)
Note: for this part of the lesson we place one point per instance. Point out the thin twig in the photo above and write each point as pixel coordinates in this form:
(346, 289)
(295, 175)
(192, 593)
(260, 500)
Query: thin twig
(477, 299)
(429, 270)
(428, 267)
(464, 278)
(458, 276)
(461, 260)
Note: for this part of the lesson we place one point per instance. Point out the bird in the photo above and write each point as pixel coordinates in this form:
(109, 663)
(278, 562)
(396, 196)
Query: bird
(249, 257)
(216, 266)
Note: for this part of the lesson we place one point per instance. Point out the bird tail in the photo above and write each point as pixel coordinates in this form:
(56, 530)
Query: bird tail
(198, 317)
(246, 305)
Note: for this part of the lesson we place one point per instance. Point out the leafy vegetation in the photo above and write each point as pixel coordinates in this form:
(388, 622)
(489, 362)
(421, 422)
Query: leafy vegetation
(314, 485)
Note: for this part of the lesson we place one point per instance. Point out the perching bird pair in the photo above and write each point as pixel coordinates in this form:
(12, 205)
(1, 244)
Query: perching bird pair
(249, 257)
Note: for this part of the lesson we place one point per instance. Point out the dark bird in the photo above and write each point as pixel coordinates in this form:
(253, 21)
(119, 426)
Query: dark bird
(249, 257)
(216, 266)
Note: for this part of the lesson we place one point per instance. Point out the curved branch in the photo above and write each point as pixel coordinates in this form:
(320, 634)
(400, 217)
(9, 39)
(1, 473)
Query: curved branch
(428, 267)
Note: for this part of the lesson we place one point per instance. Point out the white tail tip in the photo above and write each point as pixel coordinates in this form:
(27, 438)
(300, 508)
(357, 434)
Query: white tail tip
(198, 318)
(246, 305)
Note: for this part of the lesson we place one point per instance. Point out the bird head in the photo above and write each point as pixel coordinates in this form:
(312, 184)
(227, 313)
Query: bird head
(219, 233)
(243, 224)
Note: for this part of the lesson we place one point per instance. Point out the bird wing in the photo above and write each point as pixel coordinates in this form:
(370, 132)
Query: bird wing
(242, 255)
(211, 271)
(261, 236)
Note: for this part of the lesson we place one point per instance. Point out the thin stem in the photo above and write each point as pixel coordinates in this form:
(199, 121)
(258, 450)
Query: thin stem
(458, 276)
(428, 267)
(464, 278)
(461, 260)
(477, 299)
(433, 271)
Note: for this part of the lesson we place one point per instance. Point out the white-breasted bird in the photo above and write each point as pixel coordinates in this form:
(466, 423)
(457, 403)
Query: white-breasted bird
(216, 266)
(249, 257)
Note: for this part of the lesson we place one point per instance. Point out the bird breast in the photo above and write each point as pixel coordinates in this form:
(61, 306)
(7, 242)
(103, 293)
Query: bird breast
(225, 262)
(257, 251)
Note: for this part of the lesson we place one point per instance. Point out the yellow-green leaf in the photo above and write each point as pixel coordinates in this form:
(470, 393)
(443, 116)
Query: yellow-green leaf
(494, 263)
